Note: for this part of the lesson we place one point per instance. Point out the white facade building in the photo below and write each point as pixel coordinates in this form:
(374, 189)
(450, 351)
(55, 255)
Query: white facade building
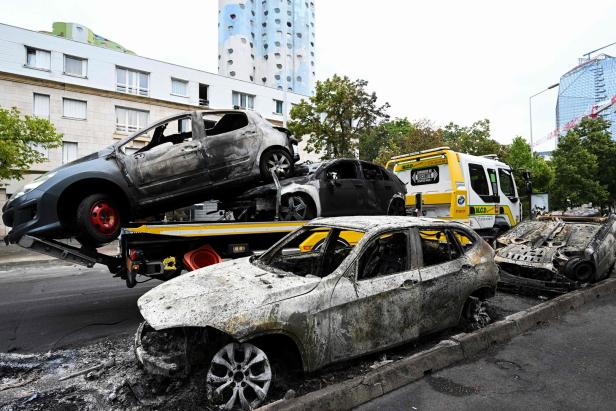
(96, 96)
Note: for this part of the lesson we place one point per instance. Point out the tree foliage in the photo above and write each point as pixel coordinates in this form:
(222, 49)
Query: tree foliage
(19, 139)
(475, 140)
(337, 117)
(584, 166)
(520, 158)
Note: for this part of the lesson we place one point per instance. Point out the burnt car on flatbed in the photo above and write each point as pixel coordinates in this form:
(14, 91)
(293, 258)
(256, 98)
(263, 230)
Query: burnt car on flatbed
(178, 161)
(330, 188)
(557, 253)
(335, 289)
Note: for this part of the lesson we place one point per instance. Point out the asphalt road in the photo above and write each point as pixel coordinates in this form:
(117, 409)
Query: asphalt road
(53, 306)
(569, 364)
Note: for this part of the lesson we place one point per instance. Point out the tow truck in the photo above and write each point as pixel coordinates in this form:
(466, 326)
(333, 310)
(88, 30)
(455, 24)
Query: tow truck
(162, 250)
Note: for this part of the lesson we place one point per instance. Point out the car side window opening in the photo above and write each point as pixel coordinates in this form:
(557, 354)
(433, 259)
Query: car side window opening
(493, 182)
(342, 170)
(506, 182)
(437, 246)
(315, 251)
(227, 123)
(371, 171)
(173, 132)
(386, 255)
(479, 182)
(465, 240)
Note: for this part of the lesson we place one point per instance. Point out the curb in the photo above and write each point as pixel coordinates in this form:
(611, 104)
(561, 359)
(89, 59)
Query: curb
(23, 263)
(356, 391)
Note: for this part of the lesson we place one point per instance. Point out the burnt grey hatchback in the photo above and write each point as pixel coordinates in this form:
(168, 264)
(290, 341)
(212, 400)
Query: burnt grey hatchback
(173, 163)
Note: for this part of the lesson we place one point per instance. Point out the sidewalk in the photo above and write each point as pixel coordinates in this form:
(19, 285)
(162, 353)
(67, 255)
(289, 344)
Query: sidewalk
(566, 364)
(14, 255)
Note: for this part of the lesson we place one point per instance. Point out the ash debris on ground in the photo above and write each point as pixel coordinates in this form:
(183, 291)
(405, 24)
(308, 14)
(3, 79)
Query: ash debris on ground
(105, 374)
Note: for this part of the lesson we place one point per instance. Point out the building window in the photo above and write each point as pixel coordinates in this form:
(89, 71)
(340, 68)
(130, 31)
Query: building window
(179, 87)
(36, 58)
(243, 101)
(75, 66)
(279, 106)
(41, 106)
(74, 109)
(69, 152)
(129, 120)
(132, 81)
(203, 95)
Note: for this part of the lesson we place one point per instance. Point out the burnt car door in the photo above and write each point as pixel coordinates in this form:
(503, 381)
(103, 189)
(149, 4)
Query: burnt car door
(166, 159)
(379, 303)
(342, 191)
(444, 268)
(380, 188)
(231, 145)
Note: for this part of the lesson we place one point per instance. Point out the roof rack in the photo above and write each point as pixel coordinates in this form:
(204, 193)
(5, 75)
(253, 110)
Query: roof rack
(421, 152)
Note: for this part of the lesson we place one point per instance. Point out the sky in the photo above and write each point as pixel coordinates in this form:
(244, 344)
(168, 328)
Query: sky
(444, 61)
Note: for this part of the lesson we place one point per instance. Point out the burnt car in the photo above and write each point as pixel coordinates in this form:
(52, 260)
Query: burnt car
(557, 253)
(249, 320)
(173, 163)
(331, 188)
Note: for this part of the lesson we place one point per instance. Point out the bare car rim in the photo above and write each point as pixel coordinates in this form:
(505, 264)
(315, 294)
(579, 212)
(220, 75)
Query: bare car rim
(296, 209)
(239, 377)
(278, 162)
(103, 217)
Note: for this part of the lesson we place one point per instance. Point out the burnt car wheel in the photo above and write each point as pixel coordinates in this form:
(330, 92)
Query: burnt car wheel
(474, 314)
(98, 220)
(396, 207)
(296, 207)
(239, 377)
(278, 160)
(580, 270)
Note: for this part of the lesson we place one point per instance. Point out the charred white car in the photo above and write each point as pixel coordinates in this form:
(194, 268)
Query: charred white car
(335, 289)
(557, 253)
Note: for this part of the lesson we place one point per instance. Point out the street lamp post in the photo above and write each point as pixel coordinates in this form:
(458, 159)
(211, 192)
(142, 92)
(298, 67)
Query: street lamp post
(530, 111)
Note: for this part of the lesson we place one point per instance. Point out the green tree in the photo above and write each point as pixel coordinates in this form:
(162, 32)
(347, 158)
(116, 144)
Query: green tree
(576, 167)
(337, 117)
(19, 139)
(520, 158)
(381, 136)
(420, 135)
(475, 140)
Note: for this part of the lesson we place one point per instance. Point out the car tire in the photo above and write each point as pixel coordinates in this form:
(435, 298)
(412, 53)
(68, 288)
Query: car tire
(474, 314)
(297, 207)
(239, 377)
(276, 158)
(396, 207)
(98, 220)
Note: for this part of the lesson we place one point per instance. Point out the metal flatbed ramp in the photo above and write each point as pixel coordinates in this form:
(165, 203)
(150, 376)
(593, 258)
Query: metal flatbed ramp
(216, 229)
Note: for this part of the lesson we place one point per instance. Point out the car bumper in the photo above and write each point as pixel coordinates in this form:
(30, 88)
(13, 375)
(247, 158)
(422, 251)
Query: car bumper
(532, 286)
(34, 214)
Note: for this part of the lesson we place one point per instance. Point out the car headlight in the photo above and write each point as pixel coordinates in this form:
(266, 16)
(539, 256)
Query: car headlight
(33, 185)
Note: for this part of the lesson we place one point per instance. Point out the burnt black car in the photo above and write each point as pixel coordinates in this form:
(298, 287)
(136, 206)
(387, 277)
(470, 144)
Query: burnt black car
(327, 189)
(173, 163)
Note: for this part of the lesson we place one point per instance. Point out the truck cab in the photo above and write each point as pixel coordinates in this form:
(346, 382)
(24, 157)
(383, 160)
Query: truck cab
(477, 190)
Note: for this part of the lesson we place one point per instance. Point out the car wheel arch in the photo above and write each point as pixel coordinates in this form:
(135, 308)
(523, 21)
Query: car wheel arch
(281, 341)
(69, 199)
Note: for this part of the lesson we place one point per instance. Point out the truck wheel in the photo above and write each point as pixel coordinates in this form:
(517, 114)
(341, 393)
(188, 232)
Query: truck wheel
(98, 220)
(276, 159)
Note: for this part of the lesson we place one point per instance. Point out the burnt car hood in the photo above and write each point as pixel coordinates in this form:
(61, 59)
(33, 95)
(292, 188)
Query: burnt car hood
(219, 296)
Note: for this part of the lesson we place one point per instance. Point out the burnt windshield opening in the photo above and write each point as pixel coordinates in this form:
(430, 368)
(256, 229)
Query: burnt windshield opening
(311, 251)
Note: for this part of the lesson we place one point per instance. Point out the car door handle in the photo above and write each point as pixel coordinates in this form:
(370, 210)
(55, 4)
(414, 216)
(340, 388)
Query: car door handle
(358, 185)
(467, 267)
(409, 283)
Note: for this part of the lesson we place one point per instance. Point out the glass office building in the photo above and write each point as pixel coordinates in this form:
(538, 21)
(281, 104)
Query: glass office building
(591, 83)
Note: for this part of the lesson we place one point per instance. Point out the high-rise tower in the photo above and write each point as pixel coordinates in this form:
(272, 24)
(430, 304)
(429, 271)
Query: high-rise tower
(268, 42)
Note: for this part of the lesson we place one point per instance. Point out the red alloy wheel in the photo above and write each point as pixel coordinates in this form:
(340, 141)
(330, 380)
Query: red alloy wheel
(104, 217)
